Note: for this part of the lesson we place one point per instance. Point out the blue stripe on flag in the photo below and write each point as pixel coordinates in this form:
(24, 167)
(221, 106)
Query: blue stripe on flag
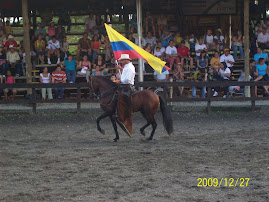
(120, 46)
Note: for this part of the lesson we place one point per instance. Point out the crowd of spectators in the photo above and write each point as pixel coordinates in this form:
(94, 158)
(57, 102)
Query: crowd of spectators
(206, 56)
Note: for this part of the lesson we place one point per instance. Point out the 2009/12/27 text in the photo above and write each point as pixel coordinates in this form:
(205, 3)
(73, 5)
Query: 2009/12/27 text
(226, 182)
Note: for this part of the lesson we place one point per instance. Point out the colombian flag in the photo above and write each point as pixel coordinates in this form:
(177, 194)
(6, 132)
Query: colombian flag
(121, 45)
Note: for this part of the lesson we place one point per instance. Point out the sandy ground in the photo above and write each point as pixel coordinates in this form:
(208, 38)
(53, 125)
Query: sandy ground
(62, 157)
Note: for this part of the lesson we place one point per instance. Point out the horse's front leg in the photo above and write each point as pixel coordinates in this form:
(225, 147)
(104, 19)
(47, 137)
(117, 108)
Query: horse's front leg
(113, 121)
(104, 115)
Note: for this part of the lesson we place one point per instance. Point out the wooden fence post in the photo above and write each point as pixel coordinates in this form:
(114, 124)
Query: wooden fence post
(34, 100)
(253, 97)
(209, 100)
(78, 99)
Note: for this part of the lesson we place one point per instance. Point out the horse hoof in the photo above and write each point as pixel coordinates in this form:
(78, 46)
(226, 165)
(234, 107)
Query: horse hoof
(115, 140)
(150, 138)
(143, 133)
(102, 131)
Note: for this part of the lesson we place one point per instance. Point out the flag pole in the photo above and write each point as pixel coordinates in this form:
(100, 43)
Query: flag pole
(139, 32)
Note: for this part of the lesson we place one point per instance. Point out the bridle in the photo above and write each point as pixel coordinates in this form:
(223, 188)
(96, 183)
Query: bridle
(92, 90)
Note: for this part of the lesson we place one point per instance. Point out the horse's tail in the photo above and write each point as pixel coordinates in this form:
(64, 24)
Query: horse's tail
(167, 117)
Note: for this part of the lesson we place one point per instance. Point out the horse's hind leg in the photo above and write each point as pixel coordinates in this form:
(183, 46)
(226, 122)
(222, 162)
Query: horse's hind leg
(154, 126)
(104, 115)
(113, 121)
(143, 128)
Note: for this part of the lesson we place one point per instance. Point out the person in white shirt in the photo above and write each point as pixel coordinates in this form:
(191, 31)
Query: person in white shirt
(227, 58)
(258, 29)
(171, 54)
(263, 39)
(162, 49)
(163, 77)
(224, 73)
(219, 40)
(200, 47)
(90, 25)
(54, 48)
(128, 73)
(209, 40)
(150, 39)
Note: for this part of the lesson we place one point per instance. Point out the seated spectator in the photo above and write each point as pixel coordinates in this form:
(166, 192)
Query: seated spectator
(130, 37)
(108, 49)
(114, 78)
(237, 44)
(184, 53)
(150, 24)
(101, 63)
(158, 53)
(265, 78)
(192, 41)
(202, 61)
(41, 30)
(51, 30)
(261, 67)
(150, 39)
(259, 55)
(98, 71)
(64, 18)
(252, 69)
(200, 47)
(1, 90)
(9, 80)
(84, 66)
(162, 24)
(13, 59)
(96, 43)
(85, 47)
(163, 77)
(70, 69)
(177, 39)
(219, 40)
(60, 32)
(224, 73)
(54, 49)
(134, 23)
(22, 54)
(227, 58)
(59, 76)
(90, 25)
(45, 77)
(209, 41)
(148, 48)
(162, 50)
(258, 28)
(10, 42)
(171, 54)
(8, 28)
(65, 47)
(166, 38)
(179, 76)
(40, 48)
(199, 75)
(263, 39)
(100, 27)
(215, 61)
(3, 61)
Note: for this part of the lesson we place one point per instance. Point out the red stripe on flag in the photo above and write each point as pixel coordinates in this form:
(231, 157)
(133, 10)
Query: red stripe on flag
(132, 54)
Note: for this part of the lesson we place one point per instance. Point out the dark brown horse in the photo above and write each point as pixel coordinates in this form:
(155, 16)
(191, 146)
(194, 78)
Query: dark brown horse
(146, 101)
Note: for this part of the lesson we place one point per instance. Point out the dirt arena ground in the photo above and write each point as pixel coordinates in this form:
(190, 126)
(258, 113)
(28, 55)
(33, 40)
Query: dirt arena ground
(61, 157)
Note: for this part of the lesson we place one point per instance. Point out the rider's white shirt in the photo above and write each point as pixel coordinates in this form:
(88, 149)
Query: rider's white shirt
(128, 74)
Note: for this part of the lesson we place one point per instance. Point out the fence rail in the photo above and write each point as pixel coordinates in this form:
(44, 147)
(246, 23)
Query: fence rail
(149, 84)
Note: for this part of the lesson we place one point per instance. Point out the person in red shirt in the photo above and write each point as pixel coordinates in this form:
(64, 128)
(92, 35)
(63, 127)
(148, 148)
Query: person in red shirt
(184, 53)
(11, 41)
(59, 76)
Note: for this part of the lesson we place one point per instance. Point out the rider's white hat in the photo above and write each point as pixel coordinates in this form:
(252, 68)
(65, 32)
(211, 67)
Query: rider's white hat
(125, 57)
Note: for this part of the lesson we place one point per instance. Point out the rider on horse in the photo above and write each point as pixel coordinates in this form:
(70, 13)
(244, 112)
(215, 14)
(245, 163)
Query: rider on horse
(124, 102)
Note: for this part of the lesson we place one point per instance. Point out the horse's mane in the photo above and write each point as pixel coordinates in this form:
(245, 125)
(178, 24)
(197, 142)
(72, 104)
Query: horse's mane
(106, 80)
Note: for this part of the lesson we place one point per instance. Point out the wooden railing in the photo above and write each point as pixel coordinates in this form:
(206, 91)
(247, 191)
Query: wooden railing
(151, 84)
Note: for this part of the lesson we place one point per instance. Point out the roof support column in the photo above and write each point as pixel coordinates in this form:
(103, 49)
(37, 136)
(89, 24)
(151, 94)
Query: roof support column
(246, 45)
(26, 40)
(139, 31)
